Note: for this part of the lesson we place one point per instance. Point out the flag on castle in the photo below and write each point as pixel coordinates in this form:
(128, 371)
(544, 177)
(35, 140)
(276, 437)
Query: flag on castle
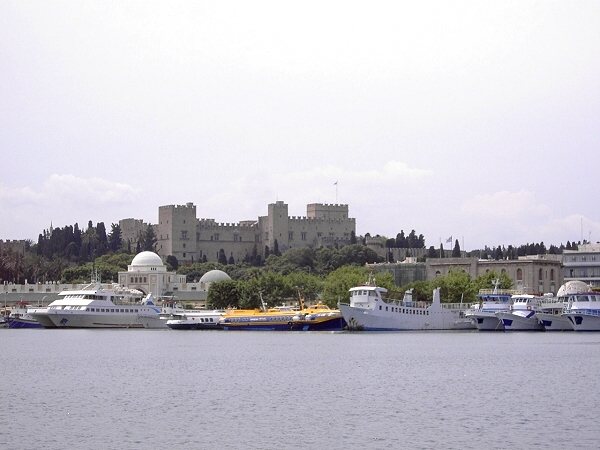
(449, 240)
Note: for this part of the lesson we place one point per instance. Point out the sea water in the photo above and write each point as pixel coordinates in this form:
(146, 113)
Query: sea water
(128, 389)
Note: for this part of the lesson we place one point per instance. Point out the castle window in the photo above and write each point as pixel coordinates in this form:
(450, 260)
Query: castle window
(303, 235)
(216, 236)
(291, 236)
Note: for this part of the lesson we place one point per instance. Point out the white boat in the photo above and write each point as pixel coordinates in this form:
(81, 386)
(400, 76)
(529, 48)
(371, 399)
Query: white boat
(20, 316)
(583, 311)
(521, 315)
(483, 313)
(101, 306)
(551, 313)
(196, 320)
(369, 310)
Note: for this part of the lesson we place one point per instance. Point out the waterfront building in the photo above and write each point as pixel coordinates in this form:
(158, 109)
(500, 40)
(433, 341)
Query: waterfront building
(181, 234)
(533, 274)
(582, 264)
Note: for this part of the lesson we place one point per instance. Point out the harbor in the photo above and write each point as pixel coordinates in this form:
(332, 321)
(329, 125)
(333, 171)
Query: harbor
(417, 389)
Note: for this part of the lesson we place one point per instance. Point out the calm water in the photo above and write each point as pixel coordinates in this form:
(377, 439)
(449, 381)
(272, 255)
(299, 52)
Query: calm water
(214, 389)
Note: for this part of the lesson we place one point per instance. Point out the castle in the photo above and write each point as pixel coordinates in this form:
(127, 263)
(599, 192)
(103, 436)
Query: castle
(180, 233)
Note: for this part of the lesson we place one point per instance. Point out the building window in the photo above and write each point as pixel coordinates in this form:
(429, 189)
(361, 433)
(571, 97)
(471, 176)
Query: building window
(519, 274)
(184, 235)
(216, 236)
(540, 274)
(303, 235)
(291, 236)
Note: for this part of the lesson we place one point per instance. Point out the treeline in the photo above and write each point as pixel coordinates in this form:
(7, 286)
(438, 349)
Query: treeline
(80, 246)
(511, 253)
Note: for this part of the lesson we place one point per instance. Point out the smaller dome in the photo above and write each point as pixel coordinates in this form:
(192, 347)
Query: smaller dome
(572, 287)
(214, 275)
(147, 259)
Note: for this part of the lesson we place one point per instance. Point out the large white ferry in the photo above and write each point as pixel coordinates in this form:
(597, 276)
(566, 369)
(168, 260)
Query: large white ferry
(521, 315)
(369, 310)
(101, 306)
(483, 313)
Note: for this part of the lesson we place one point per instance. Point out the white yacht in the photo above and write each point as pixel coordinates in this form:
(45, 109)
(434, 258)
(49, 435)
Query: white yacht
(521, 315)
(483, 313)
(550, 314)
(196, 320)
(101, 306)
(583, 311)
(369, 310)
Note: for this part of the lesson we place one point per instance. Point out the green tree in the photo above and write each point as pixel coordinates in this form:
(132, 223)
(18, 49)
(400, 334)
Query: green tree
(172, 263)
(149, 240)
(456, 250)
(223, 294)
(115, 241)
(222, 259)
(101, 239)
(338, 282)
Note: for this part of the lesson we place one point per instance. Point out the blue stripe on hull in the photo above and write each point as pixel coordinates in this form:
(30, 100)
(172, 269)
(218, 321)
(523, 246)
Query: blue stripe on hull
(20, 324)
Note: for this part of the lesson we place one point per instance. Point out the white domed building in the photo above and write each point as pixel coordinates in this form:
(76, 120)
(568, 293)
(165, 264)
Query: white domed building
(210, 277)
(148, 273)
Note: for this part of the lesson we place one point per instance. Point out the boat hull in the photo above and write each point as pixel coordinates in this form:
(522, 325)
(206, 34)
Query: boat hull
(487, 323)
(99, 320)
(23, 323)
(328, 324)
(584, 322)
(520, 322)
(41, 316)
(554, 322)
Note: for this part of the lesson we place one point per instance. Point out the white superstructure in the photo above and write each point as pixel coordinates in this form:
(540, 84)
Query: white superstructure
(369, 310)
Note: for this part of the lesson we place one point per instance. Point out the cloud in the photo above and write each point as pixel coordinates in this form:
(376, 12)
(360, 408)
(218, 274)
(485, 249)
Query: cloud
(505, 205)
(70, 189)
(95, 190)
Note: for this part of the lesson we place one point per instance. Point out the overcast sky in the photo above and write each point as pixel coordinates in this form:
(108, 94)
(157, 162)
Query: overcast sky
(473, 119)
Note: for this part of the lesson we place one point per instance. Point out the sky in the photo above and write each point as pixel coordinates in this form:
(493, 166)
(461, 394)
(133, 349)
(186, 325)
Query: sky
(476, 120)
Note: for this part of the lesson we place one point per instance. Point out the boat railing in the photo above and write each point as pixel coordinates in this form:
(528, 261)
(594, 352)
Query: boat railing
(457, 306)
(500, 291)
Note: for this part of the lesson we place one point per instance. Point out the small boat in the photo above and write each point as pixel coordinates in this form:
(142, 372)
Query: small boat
(197, 320)
(21, 316)
(551, 312)
(369, 310)
(483, 313)
(583, 311)
(521, 315)
(319, 317)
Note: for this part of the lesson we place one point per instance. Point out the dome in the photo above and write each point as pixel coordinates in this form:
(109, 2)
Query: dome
(146, 259)
(214, 275)
(572, 287)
